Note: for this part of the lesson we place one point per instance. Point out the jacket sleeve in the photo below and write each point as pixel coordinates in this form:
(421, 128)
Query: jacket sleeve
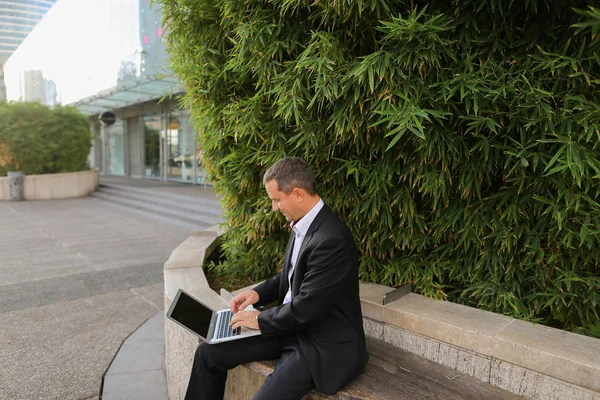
(327, 270)
(268, 291)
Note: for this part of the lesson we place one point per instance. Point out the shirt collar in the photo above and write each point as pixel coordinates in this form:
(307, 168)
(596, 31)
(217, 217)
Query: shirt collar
(301, 227)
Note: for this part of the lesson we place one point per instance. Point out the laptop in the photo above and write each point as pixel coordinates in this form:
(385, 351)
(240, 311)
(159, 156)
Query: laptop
(212, 326)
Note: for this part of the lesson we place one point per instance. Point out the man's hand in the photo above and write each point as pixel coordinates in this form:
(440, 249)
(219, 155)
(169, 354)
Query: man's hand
(243, 300)
(245, 318)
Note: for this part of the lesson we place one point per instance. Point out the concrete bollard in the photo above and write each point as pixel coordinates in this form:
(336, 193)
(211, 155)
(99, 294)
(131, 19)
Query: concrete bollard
(16, 183)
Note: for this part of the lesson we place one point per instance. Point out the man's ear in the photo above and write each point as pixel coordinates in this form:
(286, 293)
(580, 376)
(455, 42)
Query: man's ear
(298, 194)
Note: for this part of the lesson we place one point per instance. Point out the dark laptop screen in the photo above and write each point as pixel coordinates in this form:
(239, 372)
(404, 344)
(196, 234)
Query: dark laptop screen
(192, 314)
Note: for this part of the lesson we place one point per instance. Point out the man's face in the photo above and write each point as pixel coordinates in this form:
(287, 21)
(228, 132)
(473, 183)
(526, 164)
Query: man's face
(282, 202)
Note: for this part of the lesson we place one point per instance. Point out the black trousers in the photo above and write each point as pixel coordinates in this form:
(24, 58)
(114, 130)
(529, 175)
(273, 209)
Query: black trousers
(291, 379)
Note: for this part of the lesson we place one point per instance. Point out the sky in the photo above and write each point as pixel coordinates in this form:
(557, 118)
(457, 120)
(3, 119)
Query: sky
(80, 45)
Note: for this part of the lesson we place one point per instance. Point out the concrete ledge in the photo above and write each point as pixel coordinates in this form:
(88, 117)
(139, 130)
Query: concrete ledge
(184, 270)
(488, 346)
(54, 186)
(192, 252)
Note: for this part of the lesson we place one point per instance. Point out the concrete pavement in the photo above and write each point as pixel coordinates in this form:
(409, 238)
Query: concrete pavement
(77, 277)
(138, 370)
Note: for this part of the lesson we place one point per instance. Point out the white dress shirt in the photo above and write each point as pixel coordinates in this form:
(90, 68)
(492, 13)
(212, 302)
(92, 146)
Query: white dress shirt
(300, 229)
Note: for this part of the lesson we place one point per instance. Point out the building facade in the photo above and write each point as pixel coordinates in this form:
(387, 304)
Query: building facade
(17, 20)
(120, 67)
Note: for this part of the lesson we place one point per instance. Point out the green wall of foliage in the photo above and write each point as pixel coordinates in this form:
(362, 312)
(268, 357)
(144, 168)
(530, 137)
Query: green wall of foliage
(43, 140)
(459, 139)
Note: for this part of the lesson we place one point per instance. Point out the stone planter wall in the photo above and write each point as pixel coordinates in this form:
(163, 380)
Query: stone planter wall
(54, 186)
(531, 360)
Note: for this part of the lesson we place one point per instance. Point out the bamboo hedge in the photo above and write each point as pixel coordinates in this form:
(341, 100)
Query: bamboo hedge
(459, 139)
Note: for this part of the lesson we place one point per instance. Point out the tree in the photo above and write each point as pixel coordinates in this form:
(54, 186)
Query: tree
(38, 140)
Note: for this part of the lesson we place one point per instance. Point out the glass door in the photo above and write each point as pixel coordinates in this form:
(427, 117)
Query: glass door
(116, 149)
(151, 146)
(181, 147)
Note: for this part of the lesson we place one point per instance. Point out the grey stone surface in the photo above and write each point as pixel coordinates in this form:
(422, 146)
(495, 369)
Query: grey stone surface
(462, 360)
(373, 328)
(534, 385)
(452, 323)
(72, 287)
(146, 385)
(180, 347)
(184, 270)
(77, 277)
(565, 355)
(192, 280)
(152, 329)
(560, 354)
(187, 205)
(191, 253)
(61, 350)
(140, 358)
(138, 355)
(373, 292)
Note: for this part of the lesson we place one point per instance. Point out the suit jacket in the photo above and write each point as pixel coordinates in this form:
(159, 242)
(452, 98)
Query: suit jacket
(325, 313)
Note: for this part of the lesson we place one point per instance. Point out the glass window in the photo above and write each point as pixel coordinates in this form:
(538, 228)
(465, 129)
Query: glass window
(8, 47)
(182, 148)
(19, 19)
(116, 149)
(10, 27)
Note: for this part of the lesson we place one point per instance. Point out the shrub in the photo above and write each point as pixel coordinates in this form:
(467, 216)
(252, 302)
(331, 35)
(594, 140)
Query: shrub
(41, 140)
(458, 139)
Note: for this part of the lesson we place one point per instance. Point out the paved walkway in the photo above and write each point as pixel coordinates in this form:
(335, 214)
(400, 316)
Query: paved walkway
(138, 370)
(77, 277)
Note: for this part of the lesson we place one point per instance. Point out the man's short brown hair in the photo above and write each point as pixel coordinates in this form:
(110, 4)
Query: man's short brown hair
(290, 173)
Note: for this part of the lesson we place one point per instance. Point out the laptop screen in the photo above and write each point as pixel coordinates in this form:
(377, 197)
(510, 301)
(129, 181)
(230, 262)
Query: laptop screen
(192, 314)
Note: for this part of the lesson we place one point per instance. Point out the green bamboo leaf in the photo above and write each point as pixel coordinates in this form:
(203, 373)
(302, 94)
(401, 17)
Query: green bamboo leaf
(492, 125)
(583, 232)
(556, 169)
(555, 157)
(399, 132)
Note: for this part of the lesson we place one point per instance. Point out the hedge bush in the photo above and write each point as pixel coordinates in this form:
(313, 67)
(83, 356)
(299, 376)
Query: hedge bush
(458, 139)
(40, 140)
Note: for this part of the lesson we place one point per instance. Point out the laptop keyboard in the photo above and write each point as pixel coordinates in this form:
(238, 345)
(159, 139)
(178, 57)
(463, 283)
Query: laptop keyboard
(223, 330)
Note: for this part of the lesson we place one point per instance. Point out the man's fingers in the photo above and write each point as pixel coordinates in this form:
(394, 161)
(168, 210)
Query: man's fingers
(236, 321)
(244, 305)
(234, 304)
(244, 319)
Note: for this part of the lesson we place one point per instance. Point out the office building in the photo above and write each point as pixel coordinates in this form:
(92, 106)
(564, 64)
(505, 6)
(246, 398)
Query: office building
(37, 88)
(120, 66)
(17, 19)
(34, 85)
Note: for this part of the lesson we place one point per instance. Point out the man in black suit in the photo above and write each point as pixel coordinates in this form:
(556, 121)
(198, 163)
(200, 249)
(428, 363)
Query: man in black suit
(316, 328)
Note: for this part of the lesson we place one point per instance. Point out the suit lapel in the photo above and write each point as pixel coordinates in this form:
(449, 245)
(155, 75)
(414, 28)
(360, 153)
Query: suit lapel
(313, 227)
(309, 234)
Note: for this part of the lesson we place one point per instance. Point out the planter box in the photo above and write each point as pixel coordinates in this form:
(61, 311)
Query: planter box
(54, 186)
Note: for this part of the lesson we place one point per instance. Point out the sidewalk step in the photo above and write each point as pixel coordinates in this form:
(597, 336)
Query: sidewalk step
(196, 197)
(196, 212)
(145, 215)
(137, 372)
(211, 210)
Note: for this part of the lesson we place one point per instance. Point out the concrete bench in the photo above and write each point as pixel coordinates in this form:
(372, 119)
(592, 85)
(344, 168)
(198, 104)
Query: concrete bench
(395, 374)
